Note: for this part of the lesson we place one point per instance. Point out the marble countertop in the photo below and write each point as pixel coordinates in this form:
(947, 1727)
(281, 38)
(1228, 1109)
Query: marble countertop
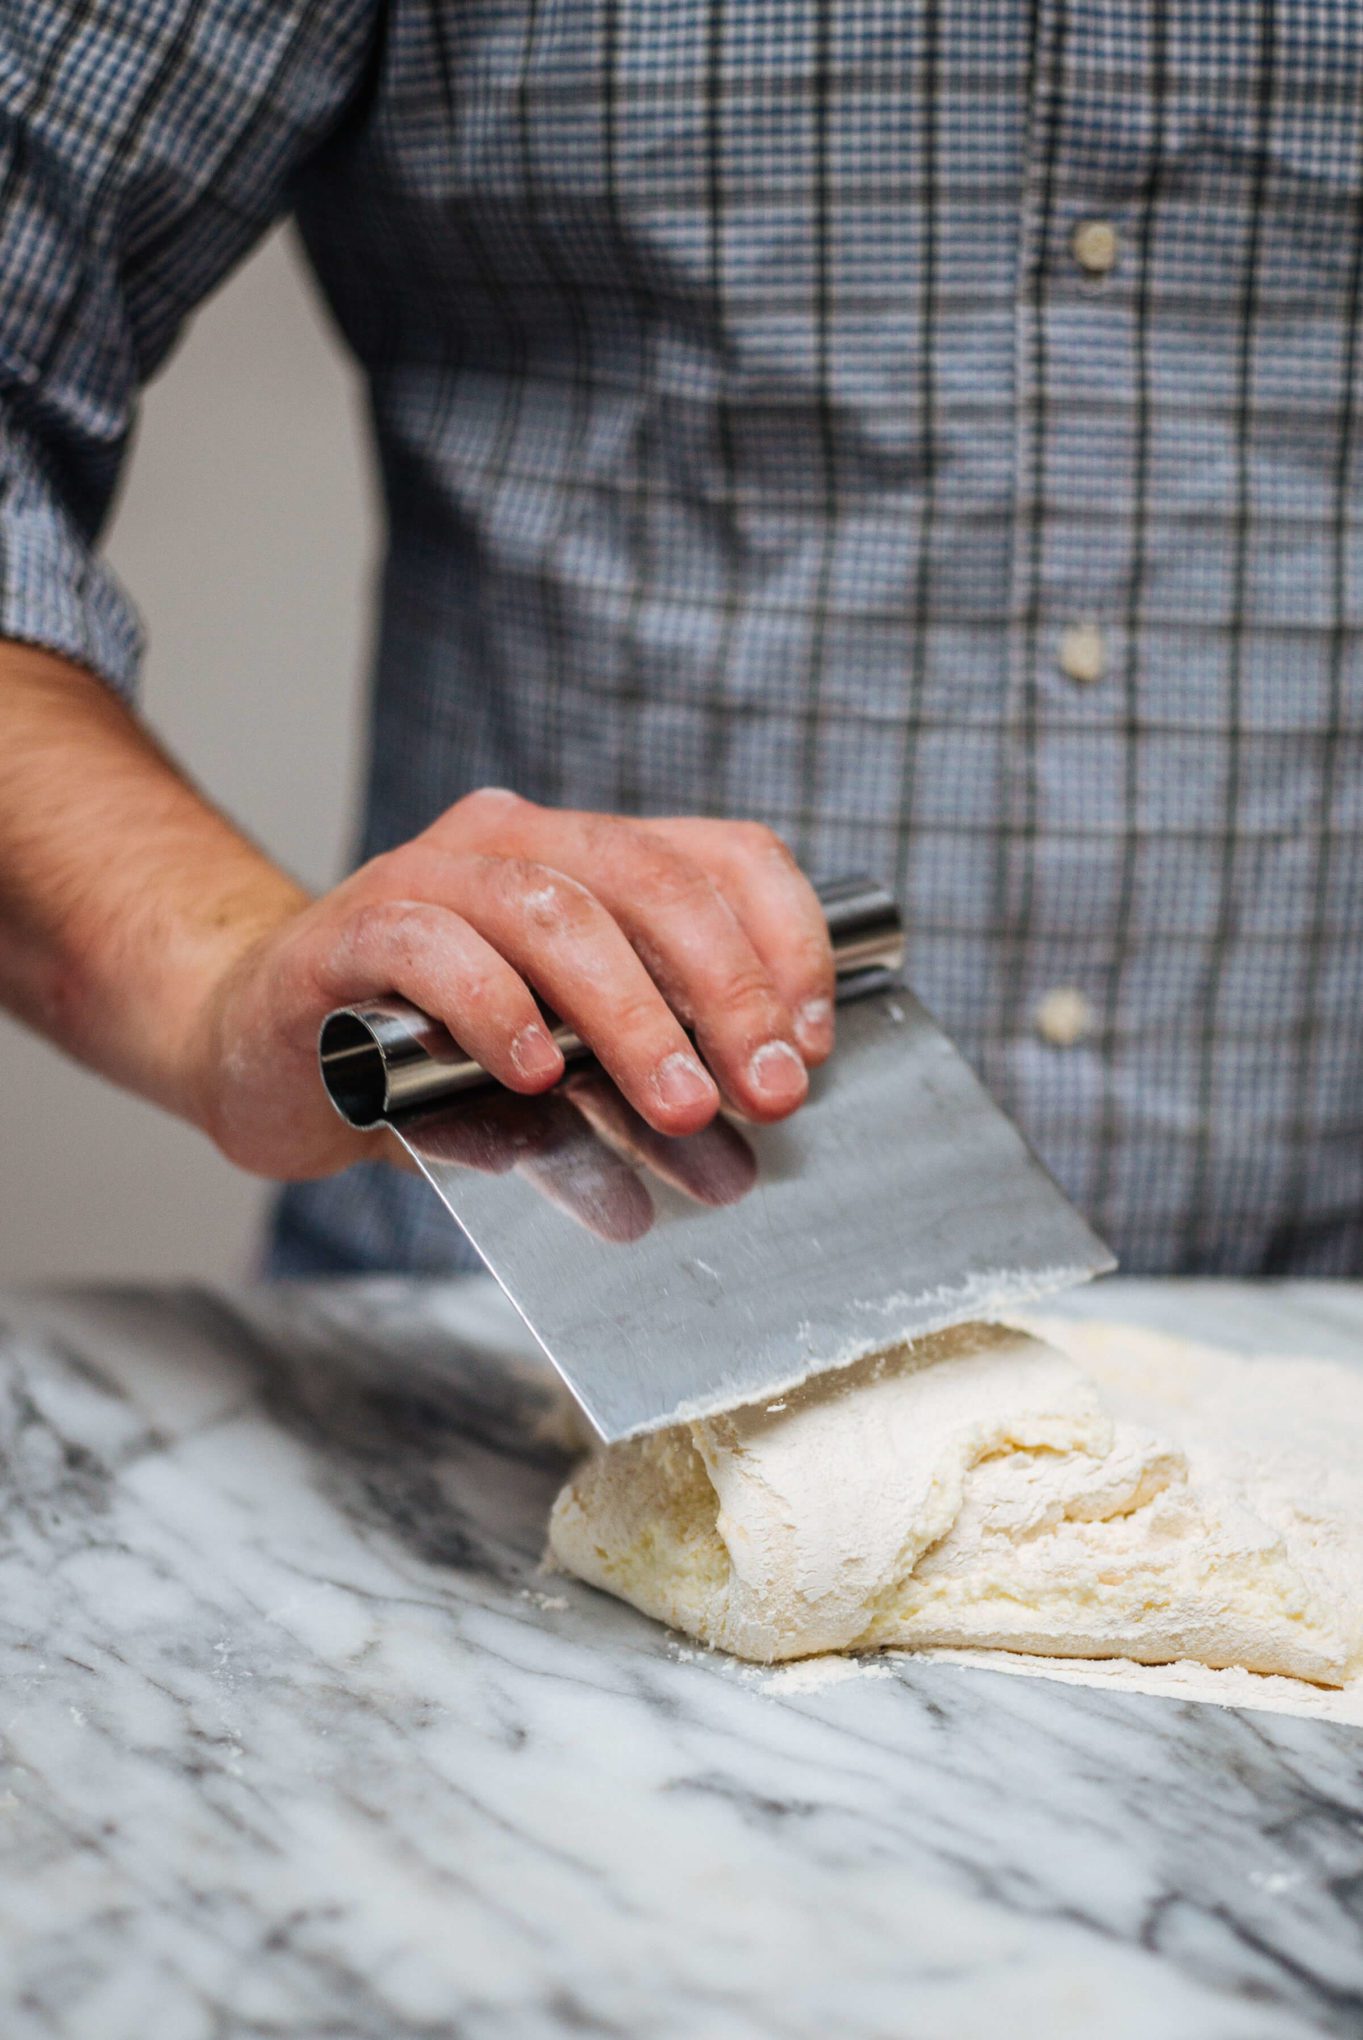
(296, 1740)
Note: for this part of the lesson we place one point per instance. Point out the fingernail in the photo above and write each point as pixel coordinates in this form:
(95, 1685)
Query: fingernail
(778, 1072)
(534, 1054)
(680, 1080)
(814, 1026)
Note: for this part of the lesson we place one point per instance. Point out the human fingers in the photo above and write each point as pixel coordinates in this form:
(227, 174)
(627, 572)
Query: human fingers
(553, 931)
(679, 924)
(424, 952)
(779, 912)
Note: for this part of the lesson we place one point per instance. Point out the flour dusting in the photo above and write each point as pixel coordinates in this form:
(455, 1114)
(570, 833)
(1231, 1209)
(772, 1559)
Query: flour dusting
(1050, 1497)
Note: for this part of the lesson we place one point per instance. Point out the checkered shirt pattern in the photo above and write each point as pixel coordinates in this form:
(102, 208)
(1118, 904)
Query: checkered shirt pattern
(752, 434)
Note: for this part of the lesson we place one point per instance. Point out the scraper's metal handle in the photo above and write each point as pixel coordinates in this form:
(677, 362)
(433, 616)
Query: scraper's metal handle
(385, 1058)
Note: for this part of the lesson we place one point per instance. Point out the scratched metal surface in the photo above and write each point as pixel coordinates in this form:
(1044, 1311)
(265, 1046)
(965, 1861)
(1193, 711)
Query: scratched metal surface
(671, 1277)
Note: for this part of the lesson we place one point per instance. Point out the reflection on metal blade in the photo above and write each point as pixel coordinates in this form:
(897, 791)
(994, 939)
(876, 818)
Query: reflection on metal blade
(671, 1278)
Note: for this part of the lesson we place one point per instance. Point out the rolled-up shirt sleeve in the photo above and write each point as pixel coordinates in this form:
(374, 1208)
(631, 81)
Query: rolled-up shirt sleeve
(144, 146)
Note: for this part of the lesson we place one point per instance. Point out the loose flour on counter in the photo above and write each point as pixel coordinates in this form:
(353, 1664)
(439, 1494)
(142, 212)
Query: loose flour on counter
(1070, 1490)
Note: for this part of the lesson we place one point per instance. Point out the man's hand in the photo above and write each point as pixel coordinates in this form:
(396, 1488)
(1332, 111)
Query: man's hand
(626, 929)
(141, 932)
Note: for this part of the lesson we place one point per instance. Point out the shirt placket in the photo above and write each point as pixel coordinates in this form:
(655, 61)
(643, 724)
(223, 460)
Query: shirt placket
(1064, 852)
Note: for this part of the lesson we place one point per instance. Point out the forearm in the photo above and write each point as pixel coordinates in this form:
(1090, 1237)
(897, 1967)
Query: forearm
(124, 895)
(142, 933)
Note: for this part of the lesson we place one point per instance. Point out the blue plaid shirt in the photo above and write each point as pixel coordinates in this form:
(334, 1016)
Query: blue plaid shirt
(932, 427)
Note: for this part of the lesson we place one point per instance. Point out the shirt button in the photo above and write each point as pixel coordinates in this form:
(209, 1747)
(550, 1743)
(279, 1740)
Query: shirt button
(1082, 653)
(1095, 246)
(1064, 1017)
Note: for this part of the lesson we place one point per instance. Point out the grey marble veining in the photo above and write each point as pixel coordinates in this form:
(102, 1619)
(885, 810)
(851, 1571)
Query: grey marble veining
(297, 1741)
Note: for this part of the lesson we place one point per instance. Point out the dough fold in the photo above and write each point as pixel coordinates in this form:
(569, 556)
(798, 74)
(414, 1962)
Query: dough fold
(1134, 1496)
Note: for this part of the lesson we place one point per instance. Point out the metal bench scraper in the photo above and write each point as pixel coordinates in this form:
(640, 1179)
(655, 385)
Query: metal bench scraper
(670, 1278)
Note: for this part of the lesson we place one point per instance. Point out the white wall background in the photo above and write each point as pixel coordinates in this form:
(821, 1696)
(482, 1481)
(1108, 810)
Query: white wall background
(246, 535)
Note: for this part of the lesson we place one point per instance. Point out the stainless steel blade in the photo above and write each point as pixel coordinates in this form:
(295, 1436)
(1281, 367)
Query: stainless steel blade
(669, 1279)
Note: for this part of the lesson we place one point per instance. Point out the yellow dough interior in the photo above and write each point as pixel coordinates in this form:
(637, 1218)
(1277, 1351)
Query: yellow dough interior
(1132, 1495)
